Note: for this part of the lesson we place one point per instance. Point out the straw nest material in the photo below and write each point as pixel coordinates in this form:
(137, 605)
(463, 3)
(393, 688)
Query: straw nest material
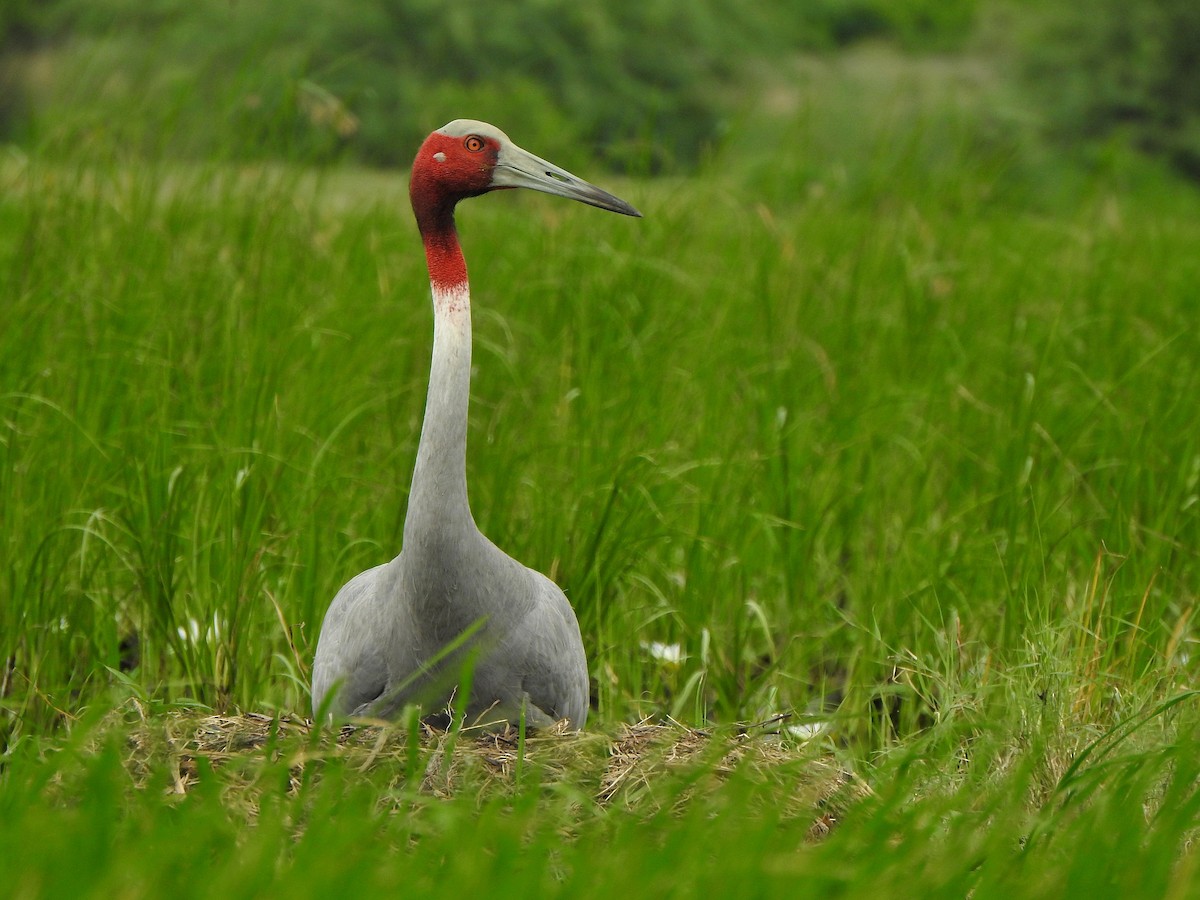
(645, 767)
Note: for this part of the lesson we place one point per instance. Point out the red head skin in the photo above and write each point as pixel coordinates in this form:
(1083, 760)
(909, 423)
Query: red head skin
(448, 169)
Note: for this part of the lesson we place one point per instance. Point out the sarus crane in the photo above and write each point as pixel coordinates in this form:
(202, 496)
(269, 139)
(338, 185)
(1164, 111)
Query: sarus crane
(452, 602)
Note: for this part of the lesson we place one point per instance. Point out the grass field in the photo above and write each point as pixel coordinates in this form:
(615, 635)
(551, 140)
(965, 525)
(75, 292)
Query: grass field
(885, 421)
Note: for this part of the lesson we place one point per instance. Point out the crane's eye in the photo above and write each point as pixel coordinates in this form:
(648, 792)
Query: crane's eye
(474, 143)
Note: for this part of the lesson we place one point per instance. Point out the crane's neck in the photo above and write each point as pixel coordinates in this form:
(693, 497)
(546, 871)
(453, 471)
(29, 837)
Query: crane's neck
(437, 503)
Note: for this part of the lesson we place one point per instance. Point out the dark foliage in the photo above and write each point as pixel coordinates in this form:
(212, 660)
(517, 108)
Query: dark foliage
(645, 84)
(1111, 68)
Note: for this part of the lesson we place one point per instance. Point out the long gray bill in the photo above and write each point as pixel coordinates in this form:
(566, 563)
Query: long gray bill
(517, 168)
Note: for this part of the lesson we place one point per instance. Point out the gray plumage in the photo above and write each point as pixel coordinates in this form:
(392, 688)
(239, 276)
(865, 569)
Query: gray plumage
(403, 631)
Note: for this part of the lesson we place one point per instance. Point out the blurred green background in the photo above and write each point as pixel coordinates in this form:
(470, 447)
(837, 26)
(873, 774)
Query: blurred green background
(649, 86)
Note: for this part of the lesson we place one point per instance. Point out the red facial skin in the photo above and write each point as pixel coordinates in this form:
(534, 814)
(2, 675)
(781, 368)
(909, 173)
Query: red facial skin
(436, 186)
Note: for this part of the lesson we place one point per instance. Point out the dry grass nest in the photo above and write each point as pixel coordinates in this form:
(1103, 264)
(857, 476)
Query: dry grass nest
(644, 768)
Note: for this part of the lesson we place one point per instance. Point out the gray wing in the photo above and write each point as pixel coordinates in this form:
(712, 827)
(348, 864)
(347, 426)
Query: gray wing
(553, 667)
(351, 653)
(536, 661)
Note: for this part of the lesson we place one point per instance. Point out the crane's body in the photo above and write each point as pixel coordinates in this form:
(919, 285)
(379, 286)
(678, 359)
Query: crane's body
(403, 631)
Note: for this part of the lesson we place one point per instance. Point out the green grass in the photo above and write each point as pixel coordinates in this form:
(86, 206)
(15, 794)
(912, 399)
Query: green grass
(881, 407)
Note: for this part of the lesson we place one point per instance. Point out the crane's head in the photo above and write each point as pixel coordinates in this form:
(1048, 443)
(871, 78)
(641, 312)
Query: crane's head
(467, 158)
